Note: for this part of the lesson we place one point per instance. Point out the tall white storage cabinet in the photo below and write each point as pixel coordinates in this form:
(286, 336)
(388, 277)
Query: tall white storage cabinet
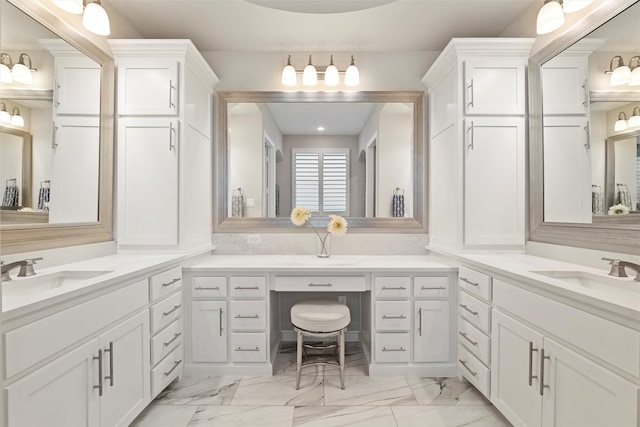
(164, 137)
(477, 106)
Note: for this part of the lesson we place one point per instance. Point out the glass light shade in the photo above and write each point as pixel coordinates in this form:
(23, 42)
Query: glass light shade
(17, 119)
(352, 76)
(621, 123)
(5, 117)
(20, 73)
(550, 18)
(72, 6)
(331, 76)
(620, 76)
(571, 6)
(96, 20)
(5, 74)
(309, 76)
(634, 122)
(635, 77)
(289, 77)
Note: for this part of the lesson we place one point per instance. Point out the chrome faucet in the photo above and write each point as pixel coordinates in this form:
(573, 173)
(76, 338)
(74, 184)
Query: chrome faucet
(618, 268)
(634, 267)
(26, 268)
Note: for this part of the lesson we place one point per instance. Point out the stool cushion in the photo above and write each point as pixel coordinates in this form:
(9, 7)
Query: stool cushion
(320, 315)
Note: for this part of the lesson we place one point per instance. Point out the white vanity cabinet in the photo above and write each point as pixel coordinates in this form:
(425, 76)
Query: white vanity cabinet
(477, 108)
(164, 138)
(565, 84)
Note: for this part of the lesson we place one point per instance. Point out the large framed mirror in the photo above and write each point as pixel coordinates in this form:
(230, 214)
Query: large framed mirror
(573, 113)
(67, 110)
(360, 155)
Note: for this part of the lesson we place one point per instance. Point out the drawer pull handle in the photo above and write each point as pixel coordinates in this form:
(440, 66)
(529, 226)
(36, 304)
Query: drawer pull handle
(171, 89)
(464, 363)
(542, 359)
(420, 322)
(175, 365)
(175, 307)
(402, 316)
(464, 279)
(255, 316)
(433, 288)
(247, 349)
(531, 350)
(464, 335)
(394, 349)
(394, 288)
(175, 337)
(205, 288)
(220, 322)
(177, 279)
(246, 287)
(110, 351)
(99, 359)
(475, 313)
(320, 284)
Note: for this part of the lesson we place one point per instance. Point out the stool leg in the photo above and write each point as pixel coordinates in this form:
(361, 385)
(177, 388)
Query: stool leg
(341, 345)
(299, 360)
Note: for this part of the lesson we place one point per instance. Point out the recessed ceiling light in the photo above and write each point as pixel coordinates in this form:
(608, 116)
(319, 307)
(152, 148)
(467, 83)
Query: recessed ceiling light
(320, 128)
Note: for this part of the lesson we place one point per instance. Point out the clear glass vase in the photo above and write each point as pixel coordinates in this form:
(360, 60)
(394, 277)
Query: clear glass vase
(323, 246)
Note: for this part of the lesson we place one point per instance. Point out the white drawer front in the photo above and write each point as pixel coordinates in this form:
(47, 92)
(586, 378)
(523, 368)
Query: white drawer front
(164, 283)
(321, 283)
(474, 311)
(475, 341)
(166, 311)
(390, 287)
(248, 347)
(166, 340)
(167, 370)
(393, 315)
(249, 287)
(211, 287)
(392, 347)
(473, 370)
(475, 282)
(248, 315)
(429, 287)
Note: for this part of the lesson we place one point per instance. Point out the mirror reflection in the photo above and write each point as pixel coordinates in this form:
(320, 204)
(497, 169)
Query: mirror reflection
(590, 147)
(59, 106)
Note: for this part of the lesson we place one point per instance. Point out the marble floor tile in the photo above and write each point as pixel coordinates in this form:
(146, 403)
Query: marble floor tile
(280, 390)
(353, 416)
(448, 416)
(445, 392)
(368, 391)
(157, 415)
(243, 416)
(200, 391)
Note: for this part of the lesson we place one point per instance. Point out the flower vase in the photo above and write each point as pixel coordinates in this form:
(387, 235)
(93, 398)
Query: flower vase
(323, 246)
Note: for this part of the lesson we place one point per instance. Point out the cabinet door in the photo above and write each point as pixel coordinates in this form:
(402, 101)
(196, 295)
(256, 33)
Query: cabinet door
(582, 393)
(125, 350)
(494, 86)
(567, 170)
(209, 331)
(60, 393)
(431, 336)
(515, 361)
(494, 181)
(564, 84)
(147, 87)
(77, 86)
(75, 170)
(148, 181)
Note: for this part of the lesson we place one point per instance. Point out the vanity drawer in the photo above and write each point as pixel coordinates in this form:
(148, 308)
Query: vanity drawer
(166, 340)
(212, 287)
(249, 347)
(167, 370)
(392, 347)
(166, 311)
(248, 287)
(473, 370)
(474, 311)
(431, 286)
(475, 282)
(392, 287)
(475, 341)
(164, 283)
(248, 315)
(321, 283)
(393, 315)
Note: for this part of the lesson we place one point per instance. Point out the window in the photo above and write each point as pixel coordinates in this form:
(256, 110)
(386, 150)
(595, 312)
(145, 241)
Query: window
(321, 180)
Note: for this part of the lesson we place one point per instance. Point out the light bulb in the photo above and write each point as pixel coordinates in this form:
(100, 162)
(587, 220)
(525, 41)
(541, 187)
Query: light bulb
(570, 6)
(95, 19)
(352, 75)
(73, 6)
(550, 17)
(309, 75)
(289, 77)
(331, 74)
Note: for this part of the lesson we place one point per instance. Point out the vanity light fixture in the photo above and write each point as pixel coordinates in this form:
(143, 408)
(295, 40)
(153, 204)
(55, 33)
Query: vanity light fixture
(5, 117)
(551, 15)
(635, 71)
(5, 69)
(621, 124)
(16, 118)
(20, 72)
(330, 74)
(621, 74)
(94, 17)
(634, 120)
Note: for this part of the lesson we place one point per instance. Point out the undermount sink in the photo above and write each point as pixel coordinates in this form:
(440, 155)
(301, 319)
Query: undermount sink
(46, 282)
(621, 286)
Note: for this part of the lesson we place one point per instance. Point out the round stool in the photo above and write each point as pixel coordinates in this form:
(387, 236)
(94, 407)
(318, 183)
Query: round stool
(320, 319)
